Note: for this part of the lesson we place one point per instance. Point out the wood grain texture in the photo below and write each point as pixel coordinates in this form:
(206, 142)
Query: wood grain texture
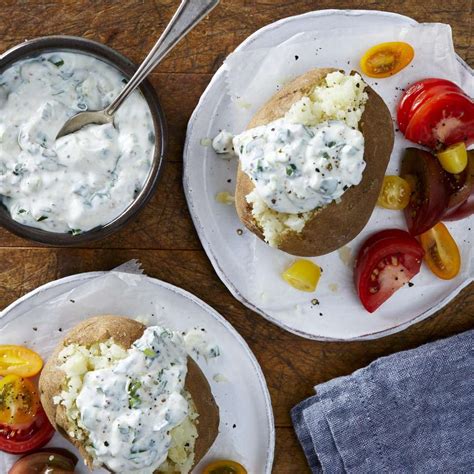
(162, 236)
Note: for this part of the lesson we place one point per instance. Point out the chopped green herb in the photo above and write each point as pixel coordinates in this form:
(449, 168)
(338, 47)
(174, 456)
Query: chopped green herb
(166, 333)
(326, 155)
(75, 231)
(22, 211)
(124, 81)
(241, 149)
(58, 63)
(290, 169)
(41, 218)
(149, 352)
(331, 144)
(133, 398)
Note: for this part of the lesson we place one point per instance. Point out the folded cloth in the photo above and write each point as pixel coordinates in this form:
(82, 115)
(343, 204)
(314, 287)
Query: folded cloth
(411, 412)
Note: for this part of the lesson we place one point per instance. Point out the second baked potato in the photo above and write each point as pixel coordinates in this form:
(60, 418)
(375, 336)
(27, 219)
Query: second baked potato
(71, 363)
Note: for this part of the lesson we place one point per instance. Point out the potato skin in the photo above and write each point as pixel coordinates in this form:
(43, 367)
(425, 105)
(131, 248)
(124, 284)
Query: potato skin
(124, 332)
(337, 223)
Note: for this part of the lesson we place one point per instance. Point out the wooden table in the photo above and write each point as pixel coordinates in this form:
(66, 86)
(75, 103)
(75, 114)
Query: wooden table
(162, 236)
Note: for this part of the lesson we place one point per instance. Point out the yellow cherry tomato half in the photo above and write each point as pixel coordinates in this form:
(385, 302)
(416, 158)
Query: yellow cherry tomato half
(441, 252)
(20, 361)
(454, 158)
(386, 59)
(19, 401)
(302, 275)
(224, 467)
(395, 193)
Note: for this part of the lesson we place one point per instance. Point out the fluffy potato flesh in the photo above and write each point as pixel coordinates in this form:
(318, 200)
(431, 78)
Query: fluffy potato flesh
(325, 230)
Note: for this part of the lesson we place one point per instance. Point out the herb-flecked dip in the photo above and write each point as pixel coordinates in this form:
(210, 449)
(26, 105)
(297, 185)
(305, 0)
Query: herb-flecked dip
(82, 180)
(129, 407)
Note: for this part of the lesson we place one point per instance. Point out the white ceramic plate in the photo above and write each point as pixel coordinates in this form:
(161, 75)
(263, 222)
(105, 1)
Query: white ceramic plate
(256, 282)
(246, 431)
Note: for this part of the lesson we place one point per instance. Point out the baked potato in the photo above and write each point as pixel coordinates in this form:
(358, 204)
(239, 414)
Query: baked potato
(124, 332)
(332, 226)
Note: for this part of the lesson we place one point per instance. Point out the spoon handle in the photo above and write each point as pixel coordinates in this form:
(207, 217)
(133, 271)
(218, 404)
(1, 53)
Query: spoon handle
(188, 15)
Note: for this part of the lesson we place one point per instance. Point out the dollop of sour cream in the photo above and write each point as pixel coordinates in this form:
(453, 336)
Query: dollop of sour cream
(297, 168)
(223, 145)
(85, 179)
(129, 409)
(306, 159)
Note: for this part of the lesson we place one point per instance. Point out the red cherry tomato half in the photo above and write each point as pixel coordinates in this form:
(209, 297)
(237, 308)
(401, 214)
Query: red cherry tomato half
(386, 261)
(461, 199)
(443, 120)
(51, 461)
(412, 96)
(25, 440)
(429, 193)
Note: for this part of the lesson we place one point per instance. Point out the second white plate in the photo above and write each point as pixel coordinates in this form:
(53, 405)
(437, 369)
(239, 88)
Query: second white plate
(246, 431)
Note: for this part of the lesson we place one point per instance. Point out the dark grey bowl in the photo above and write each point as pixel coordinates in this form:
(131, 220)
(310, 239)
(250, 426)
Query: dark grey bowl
(37, 46)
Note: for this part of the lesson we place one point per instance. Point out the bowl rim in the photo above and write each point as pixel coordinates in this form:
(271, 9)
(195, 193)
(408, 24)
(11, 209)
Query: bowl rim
(36, 46)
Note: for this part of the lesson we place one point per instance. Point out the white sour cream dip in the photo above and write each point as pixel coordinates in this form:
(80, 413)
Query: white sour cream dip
(130, 408)
(82, 180)
(297, 168)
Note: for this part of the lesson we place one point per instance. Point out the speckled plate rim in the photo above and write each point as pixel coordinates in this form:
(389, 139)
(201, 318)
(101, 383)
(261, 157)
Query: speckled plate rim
(199, 225)
(84, 277)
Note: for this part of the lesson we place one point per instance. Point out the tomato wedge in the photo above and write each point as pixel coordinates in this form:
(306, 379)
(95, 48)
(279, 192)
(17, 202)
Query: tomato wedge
(395, 193)
(385, 262)
(461, 188)
(20, 361)
(441, 252)
(429, 193)
(386, 59)
(49, 461)
(443, 120)
(26, 439)
(224, 467)
(417, 94)
(19, 401)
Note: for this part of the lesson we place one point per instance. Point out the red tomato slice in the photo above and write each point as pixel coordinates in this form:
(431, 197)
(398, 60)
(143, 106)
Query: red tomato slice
(25, 440)
(429, 193)
(386, 261)
(443, 120)
(412, 95)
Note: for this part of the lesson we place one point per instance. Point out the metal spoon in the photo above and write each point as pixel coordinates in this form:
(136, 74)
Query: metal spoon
(188, 15)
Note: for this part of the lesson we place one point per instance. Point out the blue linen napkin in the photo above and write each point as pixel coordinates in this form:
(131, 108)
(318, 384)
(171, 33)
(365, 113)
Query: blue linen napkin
(411, 412)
